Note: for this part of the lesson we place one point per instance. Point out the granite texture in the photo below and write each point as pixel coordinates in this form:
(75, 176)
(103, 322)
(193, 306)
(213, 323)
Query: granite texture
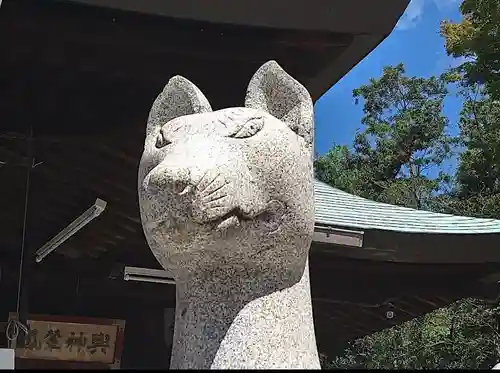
(226, 201)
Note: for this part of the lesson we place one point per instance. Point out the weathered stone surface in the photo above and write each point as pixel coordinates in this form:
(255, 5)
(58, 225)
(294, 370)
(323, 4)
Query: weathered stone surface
(226, 202)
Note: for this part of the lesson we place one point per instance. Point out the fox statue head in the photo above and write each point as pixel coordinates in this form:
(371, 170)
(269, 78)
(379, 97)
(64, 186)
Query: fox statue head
(232, 187)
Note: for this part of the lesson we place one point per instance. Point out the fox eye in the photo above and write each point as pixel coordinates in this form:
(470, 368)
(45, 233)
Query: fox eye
(248, 128)
(161, 140)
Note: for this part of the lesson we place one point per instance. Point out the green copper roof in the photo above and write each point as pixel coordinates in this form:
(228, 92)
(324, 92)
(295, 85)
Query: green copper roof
(337, 208)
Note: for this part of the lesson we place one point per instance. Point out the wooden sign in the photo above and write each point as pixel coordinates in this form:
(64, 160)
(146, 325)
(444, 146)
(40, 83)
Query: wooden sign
(73, 339)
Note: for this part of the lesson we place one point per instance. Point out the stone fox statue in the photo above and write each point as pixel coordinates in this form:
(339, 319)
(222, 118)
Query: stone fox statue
(226, 201)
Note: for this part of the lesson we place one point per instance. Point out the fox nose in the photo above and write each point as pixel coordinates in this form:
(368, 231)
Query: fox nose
(170, 179)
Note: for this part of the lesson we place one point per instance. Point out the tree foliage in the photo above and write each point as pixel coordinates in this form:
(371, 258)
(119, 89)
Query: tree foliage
(404, 135)
(476, 40)
(477, 189)
(464, 335)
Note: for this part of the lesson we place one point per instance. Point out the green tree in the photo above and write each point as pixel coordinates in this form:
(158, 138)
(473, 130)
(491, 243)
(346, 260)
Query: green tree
(476, 39)
(404, 136)
(462, 336)
(476, 190)
(339, 167)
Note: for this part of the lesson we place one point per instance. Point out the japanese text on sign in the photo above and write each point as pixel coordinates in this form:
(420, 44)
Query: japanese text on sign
(70, 341)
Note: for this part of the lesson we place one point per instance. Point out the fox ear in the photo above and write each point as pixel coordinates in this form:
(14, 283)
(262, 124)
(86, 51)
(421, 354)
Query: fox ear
(179, 97)
(271, 89)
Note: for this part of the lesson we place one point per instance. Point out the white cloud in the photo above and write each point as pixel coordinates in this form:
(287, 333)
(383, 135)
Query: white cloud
(415, 11)
(412, 15)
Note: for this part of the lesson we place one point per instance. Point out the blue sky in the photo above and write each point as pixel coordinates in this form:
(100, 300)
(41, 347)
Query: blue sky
(416, 42)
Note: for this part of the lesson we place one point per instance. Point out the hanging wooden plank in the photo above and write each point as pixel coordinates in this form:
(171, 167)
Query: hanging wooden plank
(77, 339)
